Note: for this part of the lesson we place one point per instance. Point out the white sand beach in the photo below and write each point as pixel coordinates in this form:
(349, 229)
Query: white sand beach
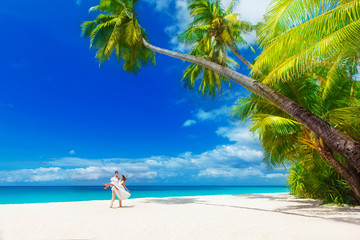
(255, 216)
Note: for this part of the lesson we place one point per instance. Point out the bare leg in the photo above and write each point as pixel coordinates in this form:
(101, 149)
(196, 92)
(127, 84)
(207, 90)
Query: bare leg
(120, 205)
(110, 184)
(112, 199)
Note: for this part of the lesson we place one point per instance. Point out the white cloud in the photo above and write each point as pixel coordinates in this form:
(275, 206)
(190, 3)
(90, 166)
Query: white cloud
(236, 133)
(222, 158)
(276, 175)
(72, 152)
(224, 155)
(214, 114)
(177, 10)
(189, 122)
(182, 21)
(51, 174)
(250, 10)
(31, 175)
(239, 173)
(230, 172)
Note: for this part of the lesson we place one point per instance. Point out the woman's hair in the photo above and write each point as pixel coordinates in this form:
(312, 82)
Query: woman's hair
(124, 178)
(116, 172)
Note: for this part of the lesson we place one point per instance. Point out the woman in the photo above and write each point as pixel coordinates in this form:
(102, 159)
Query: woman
(118, 189)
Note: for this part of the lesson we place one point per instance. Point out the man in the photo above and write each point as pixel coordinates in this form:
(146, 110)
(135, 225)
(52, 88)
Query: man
(115, 181)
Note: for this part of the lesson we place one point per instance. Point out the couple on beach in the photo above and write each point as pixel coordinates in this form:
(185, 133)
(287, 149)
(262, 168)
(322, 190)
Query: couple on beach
(118, 188)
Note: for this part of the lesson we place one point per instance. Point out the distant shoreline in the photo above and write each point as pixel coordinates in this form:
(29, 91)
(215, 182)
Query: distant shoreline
(148, 186)
(146, 198)
(46, 194)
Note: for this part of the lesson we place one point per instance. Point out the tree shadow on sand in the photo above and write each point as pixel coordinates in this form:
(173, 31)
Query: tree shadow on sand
(170, 201)
(297, 207)
(283, 197)
(131, 206)
(309, 208)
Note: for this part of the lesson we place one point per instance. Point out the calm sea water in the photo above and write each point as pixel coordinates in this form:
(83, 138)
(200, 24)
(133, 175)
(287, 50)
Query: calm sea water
(16, 195)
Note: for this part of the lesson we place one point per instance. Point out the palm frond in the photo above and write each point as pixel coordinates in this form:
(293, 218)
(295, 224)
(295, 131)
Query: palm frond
(285, 14)
(298, 50)
(116, 30)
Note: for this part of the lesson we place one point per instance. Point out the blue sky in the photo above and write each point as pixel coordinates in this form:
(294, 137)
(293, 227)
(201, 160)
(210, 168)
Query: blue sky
(65, 121)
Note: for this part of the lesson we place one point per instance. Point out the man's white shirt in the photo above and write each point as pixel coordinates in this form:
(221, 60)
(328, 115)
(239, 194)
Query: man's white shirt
(116, 182)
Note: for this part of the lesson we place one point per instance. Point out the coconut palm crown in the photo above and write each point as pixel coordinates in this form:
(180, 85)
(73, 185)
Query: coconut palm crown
(211, 21)
(116, 30)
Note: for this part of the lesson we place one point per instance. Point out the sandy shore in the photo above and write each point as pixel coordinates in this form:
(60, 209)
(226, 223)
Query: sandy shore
(257, 216)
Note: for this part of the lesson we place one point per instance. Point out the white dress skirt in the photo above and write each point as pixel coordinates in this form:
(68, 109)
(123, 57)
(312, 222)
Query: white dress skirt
(121, 193)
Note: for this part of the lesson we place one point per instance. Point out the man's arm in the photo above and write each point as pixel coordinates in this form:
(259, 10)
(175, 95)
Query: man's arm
(110, 184)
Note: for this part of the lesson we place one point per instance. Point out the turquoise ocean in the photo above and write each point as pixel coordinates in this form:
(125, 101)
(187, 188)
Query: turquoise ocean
(44, 194)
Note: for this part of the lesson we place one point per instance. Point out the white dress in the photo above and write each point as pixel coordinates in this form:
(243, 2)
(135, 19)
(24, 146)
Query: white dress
(121, 193)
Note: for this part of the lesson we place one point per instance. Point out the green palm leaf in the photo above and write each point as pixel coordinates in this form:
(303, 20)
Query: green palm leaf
(322, 38)
(116, 30)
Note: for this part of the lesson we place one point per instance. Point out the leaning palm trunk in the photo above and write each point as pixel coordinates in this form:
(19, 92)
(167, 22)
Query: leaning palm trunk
(351, 179)
(237, 53)
(337, 140)
(354, 173)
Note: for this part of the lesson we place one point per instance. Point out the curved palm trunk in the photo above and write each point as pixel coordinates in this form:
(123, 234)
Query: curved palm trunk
(335, 139)
(352, 180)
(354, 173)
(237, 53)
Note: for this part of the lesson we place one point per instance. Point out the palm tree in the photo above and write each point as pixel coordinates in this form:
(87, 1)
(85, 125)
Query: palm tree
(117, 30)
(132, 45)
(288, 142)
(210, 21)
(194, 72)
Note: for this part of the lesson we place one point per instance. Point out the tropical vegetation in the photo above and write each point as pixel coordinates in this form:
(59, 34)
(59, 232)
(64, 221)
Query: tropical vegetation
(311, 43)
(315, 171)
(316, 41)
